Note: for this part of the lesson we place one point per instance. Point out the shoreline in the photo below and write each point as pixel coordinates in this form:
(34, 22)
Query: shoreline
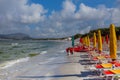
(55, 65)
(7, 64)
(32, 69)
(72, 67)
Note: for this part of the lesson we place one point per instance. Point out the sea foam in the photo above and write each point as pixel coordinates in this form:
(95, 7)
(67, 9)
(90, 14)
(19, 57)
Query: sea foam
(43, 52)
(12, 62)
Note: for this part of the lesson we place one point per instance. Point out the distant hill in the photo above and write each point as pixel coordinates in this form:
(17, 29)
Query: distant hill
(16, 36)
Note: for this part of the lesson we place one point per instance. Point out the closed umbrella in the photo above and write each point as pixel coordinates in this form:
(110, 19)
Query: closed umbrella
(113, 43)
(72, 41)
(102, 40)
(88, 41)
(106, 39)
(99, 41)
(94, 40)
(81, 40)
(85, 39)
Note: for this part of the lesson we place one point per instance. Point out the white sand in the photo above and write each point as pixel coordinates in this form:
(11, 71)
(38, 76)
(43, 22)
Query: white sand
(71, 70)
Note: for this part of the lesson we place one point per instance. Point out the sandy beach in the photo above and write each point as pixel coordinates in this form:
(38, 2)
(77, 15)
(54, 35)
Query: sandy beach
(61, 67)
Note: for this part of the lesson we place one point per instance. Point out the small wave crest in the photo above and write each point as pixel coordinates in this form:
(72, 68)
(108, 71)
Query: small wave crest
(11, 63)
(43, 52)
(14, 44)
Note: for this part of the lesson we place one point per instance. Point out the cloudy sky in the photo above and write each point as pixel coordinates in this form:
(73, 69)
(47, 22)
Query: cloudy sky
(57, 18)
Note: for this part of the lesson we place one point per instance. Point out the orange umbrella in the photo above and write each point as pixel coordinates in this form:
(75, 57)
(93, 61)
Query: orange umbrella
(113, 42)
(99, 41)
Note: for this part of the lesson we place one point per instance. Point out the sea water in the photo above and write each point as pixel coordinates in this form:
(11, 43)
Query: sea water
(34, 53)
(21, 50)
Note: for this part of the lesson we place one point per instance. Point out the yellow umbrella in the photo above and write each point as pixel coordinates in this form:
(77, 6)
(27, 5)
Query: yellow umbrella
(113, 42)
(83, 41)
(99, 41)
(94, 40)
(88, 41)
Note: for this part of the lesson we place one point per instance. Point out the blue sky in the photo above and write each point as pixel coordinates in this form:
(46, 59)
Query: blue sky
(48, 4)
(57, 18)
(56, 5)
(95, 3)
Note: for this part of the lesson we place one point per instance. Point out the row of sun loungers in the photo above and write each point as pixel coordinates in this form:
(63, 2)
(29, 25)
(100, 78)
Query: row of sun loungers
(103, 65)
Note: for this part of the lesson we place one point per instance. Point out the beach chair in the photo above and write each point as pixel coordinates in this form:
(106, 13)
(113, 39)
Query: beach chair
(107, 74)
(111, 73)
(107, 66)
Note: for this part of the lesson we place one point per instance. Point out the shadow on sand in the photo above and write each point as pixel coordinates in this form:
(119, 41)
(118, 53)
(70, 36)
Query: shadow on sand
(84, 56)
(86, 62)
(88, 75)
(83, 74)
(58, 63)
(53, 76)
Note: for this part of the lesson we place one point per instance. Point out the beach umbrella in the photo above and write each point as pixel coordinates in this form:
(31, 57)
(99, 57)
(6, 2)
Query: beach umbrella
(72, 41)
(88, 41)
(99, 41)
(91, 39)
(113, 42)
(84, 41)
(94, 40)
(102, 40)
(81, 40)
(106, 39)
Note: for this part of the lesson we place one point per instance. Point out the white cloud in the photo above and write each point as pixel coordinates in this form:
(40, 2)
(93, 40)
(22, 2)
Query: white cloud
(86, 13)
(18, 16)
(116, 16)
(51, 30)
(15, 15)
(68, 9)
(74, 21)
(58, 24)
(33, 13)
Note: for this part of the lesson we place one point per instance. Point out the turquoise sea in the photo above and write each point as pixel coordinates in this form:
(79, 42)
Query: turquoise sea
(31, 57)
(20, 50)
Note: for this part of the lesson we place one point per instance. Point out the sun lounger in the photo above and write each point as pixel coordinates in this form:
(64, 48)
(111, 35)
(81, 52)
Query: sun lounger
(107, 74)
(111, 73)
(76, 49)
